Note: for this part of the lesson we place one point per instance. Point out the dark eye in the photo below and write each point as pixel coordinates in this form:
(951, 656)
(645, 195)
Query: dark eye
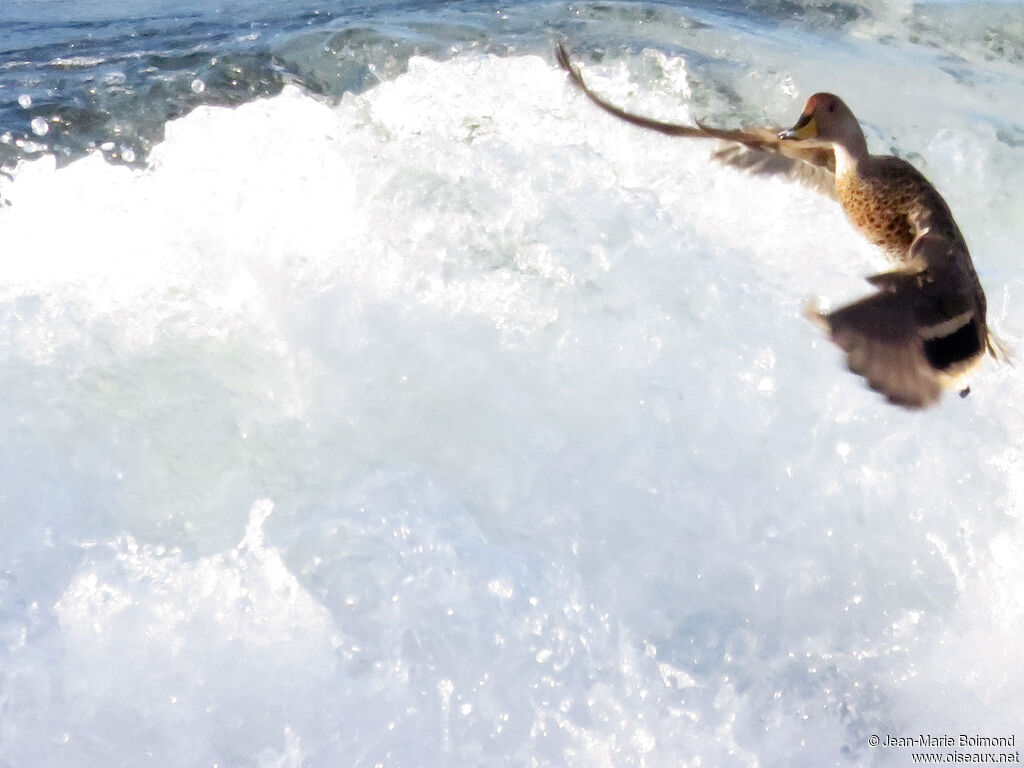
(831, 106)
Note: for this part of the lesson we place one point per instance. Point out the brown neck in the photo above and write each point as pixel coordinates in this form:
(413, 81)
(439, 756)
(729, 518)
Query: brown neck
(854, 144)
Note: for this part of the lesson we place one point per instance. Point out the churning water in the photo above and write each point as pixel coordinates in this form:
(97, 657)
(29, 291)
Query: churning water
(368, 397)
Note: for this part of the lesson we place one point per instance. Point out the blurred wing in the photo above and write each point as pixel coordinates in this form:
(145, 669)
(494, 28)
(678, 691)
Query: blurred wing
(758, 150)
(879, 336)
(671, 129)
(814, 167)
(914, 337)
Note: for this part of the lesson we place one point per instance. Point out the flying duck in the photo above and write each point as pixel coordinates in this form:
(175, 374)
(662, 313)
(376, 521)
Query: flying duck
(924, 329)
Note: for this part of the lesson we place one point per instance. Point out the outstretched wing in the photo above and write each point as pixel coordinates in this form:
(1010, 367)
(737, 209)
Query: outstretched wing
(758, 150)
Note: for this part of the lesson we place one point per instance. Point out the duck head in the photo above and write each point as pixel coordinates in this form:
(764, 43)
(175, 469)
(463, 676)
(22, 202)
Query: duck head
(827, 119)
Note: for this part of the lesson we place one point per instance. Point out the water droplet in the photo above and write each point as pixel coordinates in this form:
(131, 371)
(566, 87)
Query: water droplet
(25, 101)
(198, 86)
(39, 126)
(500, 588)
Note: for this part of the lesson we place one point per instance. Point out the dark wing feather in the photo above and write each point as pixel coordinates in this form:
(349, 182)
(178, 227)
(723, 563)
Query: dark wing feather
(879, 336)
(671, 129)
(913, 337)
(758, 150)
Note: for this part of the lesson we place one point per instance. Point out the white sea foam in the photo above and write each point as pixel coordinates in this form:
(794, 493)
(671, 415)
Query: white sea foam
(461, 424)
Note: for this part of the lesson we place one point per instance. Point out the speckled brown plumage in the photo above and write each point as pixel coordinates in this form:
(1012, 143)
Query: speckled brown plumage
(878, 206)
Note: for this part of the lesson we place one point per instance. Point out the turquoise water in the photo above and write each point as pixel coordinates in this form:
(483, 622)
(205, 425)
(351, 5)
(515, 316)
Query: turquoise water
(371, 398)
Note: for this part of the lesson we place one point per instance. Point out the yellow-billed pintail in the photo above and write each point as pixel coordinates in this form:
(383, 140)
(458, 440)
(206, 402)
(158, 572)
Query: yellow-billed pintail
(924, 328)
